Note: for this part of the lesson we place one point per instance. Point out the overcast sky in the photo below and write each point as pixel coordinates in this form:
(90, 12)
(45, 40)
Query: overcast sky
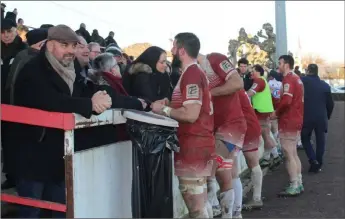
(319, 25)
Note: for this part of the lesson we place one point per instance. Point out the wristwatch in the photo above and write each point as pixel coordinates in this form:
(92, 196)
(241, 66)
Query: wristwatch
(166, 110)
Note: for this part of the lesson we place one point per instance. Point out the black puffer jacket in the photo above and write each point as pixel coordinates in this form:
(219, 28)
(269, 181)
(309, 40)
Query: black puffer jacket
(142, 82)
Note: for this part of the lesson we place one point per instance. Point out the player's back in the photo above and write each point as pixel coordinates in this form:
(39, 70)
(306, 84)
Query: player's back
(294, 86)
(227, 108)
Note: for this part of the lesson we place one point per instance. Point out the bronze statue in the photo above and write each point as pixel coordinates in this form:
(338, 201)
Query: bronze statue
(232, 51)
(251, 48)
(269, 44)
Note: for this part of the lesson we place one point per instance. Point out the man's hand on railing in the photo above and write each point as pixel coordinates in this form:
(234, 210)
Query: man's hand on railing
(101, 101)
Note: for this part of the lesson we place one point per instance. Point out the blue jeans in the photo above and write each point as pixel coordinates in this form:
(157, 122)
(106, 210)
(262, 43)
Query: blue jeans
(48, 191)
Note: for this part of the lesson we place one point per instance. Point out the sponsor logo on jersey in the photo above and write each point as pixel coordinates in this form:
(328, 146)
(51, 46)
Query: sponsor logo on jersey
(276, 93)
(192, 91)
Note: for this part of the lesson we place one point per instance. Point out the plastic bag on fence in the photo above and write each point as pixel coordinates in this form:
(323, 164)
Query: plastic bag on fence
(152, 169)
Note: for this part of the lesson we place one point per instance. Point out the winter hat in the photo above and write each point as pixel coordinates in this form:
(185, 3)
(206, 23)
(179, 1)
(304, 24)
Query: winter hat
(36, 35)
(116, 51)
(12, 16)
(7, 24)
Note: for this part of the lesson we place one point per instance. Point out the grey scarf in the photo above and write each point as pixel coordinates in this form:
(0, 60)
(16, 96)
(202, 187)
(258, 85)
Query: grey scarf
(66, 73)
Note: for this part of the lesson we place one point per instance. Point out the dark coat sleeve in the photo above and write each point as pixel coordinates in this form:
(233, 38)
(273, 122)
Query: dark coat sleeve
(120, 101)
(165, 85)
(329, 102)
(34, 91)
(143, 88)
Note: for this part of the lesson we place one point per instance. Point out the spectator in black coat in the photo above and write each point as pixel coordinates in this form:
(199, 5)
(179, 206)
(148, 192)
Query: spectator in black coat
(35, 39)
(110, 40)
(95, 37)
(318, 107)
(11, 45)
(147, 77)
(84, 33)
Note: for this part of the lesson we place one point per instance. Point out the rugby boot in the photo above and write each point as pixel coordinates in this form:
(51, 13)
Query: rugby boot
(290, 191)
(253, 205)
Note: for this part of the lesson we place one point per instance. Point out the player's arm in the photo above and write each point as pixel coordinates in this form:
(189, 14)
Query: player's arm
(191, 90)
(286, 98)
(233, 83)
(258, 86)
(188, 113)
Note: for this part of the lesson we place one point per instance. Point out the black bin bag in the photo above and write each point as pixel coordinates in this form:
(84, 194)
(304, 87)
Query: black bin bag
(152, 168)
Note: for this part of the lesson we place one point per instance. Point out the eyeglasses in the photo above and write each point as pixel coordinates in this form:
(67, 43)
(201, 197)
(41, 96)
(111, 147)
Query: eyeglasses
(97, 52)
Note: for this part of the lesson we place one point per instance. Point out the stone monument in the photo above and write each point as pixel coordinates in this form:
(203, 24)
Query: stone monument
(251, 48)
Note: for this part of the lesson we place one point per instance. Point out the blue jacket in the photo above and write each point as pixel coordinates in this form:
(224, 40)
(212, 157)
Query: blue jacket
(318, 101)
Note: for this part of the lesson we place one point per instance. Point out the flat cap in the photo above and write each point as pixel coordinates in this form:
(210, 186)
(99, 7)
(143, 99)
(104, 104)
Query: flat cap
(7, 24)
(36, 35)
(62, 33)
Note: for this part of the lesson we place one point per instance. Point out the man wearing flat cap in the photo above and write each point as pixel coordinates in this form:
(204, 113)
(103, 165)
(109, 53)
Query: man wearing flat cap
(49, 82)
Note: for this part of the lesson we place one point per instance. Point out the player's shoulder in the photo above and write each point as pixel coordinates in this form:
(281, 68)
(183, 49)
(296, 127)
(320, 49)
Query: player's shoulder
(259, 80)
(195, 68)
(288, 78)
(192, 71)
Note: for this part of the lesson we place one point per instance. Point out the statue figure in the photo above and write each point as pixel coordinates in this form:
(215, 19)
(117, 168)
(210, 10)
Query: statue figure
(243, 36)
(269, 44)
(232, 51)
(269, 64)
(251, 48)
(254, 40)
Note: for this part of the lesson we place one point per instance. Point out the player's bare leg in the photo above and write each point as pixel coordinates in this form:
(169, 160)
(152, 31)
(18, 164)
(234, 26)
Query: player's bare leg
(193, 193)
(270, 144)
(289, 147)
(208, 205)
(252, 160)
(224, 178)
(274, 128)
(212, 198)
(299, 171)
(238, 188)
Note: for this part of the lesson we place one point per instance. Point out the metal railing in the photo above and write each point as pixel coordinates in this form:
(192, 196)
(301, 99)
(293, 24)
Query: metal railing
(63, 121)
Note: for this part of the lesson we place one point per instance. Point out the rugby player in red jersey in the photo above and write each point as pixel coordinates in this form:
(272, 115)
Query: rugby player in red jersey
(290, 120)
(192, 107)
(251, 150)
(229, 127)
(262, 103)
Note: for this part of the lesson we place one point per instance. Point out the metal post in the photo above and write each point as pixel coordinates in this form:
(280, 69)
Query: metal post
(69, 151)
(281, 38)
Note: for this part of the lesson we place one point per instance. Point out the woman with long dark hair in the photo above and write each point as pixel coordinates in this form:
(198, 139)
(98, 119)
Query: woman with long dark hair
(147, 78)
